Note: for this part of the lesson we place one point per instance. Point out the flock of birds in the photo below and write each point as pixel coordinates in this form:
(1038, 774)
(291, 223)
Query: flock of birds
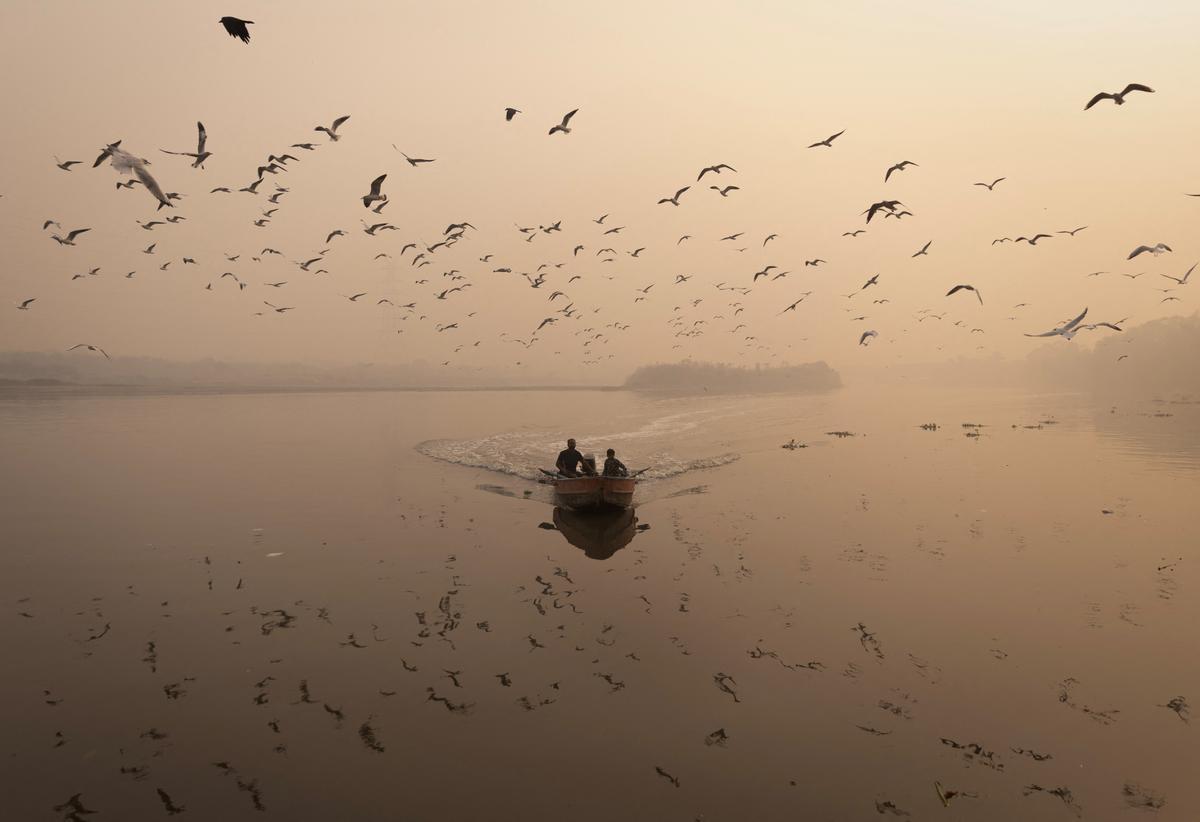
(697, 309)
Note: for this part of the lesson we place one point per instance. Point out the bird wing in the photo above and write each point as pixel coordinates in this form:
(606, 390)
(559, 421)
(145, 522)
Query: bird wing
(679, 193)
(1137, 251)
(376, 184)
(1075, 321)
(567, 117)
(1104, 95)
(76, 233)
(889, 173)
(1188, 274)
(1136, 87)
(202, 139)
(339, 121)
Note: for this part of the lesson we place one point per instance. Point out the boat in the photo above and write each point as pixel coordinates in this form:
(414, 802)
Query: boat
(590, 493)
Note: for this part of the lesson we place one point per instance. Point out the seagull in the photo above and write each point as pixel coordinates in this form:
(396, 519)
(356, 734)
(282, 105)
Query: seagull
(124, 163)
(237, 28)
(674, 200)
(853, 233)
(354, 298)
(900, 166)
(733, 236)
(412, 161)
(992, 184)
(814, 262)
(715, 170)
(200, 154)
(1181, 280)
(374, 195)
(724, 192)
(65, 165)
(1073, 231)
(966, 288)
(924, 249)
(91, 348)
(792, 307)
(1032, 240)
(563, 126)
(890, 205)
(873, 281)
(332, 130)
(70, 238)
(1067, 330)
(828, 141)
(24, 306)
(1118, 97)
(510, 113)
(1156, 249)
(866, 335)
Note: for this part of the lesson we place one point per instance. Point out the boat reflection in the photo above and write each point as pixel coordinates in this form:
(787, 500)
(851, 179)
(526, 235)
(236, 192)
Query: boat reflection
(599, 534)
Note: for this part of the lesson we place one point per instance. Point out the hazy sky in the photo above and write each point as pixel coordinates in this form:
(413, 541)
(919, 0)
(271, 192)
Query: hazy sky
(968, 91)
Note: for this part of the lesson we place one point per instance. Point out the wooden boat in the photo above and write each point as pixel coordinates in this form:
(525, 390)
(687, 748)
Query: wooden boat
(594, 493)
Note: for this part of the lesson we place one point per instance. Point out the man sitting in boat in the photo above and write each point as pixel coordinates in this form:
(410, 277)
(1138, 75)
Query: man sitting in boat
(613, 467)
(571, 463)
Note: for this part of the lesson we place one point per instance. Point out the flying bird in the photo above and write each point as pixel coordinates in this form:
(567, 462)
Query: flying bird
(564, 126)
(200, 155)
(70, 238)
(924, 249)
(332, 130)
(510, 113)
(828, 141)
(237, 28)
(866, 335)
(65, 165)
(125, 163)
(724, 192)
(24, 306)
(900, 166)
(1156, 249)
(715, 170)
(890, 205)
(1072, 231)
(1066, 330)
(91, 348)
(992, 184)
(1118, 97)
(413, 161)
(674, 200)
(958, 288)
(1181, 280)
(374, 196)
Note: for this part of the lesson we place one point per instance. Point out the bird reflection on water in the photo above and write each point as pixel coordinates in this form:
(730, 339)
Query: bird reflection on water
(599, 534)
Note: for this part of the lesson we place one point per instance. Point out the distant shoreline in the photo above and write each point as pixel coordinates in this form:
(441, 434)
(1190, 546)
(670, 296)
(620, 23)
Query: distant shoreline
(69, 388)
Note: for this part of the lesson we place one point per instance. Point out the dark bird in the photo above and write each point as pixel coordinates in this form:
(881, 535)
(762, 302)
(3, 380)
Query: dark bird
(992, 184)
(510, 113)
(373, 195)
(724, 192)
(853, 233)
(674, 200)
(24, 306)
(65, 165)
(828, 141)
(564, 126)
(873, 281)
(814, 262)
(867, 335)
(237, 28)
(715, 170)
(900, 166)
(924, 249)
(1032, 240)
(1118, 97)
(958, 288)
(1072, 231)
(890, 205)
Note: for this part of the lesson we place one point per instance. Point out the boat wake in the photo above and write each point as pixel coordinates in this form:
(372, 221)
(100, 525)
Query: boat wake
(524, 453)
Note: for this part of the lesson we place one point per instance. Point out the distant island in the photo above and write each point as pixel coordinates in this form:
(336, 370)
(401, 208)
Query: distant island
(723, 378)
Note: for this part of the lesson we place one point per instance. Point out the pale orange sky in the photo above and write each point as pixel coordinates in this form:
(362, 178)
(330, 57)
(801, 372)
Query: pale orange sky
(970, 92)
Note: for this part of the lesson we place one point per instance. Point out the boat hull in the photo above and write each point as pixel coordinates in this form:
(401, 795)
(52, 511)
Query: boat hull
(594, 493)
